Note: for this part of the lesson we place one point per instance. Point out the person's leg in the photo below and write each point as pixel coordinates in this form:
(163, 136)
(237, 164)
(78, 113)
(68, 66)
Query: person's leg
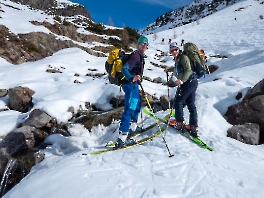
(190, 102)
(137, 99)
(126, 116)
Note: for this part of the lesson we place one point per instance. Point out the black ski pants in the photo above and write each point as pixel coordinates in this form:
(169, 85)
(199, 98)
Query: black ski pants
(186, 93)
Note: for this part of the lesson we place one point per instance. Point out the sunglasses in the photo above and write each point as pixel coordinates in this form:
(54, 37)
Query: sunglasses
(173, 50)
(144, 44)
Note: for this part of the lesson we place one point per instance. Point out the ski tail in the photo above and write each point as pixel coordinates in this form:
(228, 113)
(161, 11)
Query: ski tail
(139, 142)
(164, 119)
(185, 133)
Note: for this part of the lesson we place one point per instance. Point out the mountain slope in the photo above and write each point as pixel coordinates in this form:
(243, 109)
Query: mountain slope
(190, 13)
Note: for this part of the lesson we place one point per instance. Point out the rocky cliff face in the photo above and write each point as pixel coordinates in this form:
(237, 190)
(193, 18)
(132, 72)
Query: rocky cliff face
(56, 8)
(34, 46)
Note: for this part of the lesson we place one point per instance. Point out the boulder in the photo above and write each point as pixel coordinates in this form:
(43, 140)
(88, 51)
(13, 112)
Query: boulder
(164, 102)
(257, 90)
(21, 139)
(3, 161)
(3, 92)
(20, 99)
(250, 110)
(37, 118)
(247, 133)
(104, 118)
(17, 168)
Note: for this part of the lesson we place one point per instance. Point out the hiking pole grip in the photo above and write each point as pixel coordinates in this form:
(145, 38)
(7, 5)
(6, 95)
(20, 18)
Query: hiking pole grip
(139, 83)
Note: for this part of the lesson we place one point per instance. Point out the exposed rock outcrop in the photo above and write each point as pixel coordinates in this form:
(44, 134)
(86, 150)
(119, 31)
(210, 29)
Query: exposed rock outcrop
(52, 7)
(250, 110)
(247, 133)
(34, 46)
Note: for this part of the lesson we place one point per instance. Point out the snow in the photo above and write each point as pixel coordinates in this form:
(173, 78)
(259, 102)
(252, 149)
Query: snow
(233, 169)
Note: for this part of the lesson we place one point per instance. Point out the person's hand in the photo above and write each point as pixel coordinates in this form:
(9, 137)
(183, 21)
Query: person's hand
(136, 78)
(179, 82)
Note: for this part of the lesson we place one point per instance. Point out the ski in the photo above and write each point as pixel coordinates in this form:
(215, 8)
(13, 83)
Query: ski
(139, 142)
(185, 133)
(146, 111)
(112, 144)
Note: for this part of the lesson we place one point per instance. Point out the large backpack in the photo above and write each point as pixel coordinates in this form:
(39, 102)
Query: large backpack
(113, 66)
(197, 62)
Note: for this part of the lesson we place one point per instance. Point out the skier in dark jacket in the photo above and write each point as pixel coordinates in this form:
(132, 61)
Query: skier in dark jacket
(133, 72)
(187, 85)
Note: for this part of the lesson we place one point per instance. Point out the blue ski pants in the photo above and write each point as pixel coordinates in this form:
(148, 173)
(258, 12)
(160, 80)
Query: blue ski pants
(132, 105)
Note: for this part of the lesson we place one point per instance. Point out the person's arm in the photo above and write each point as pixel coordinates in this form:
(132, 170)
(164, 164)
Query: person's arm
(186, 69)
(169, 69)
(133, 60)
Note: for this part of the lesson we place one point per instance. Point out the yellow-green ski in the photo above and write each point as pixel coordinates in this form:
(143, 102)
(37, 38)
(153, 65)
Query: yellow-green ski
(139, 142)
(112, 144)
(185, 133)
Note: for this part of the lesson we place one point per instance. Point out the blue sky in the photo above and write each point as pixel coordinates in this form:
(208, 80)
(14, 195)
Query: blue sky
(133, 13)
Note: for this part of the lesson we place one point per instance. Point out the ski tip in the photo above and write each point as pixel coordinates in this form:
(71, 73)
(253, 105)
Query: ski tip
(171, 155)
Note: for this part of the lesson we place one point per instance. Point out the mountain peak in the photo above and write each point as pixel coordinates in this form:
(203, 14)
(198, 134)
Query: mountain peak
(187, 14)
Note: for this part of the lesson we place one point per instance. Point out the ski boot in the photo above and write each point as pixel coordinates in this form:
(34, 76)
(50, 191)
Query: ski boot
(193, 130)
(123, 140)
(132, 133)
(177, 125)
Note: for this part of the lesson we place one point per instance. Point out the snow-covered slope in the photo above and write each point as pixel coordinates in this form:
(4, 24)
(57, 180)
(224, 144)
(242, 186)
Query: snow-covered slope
(189, 13)
(233, 169)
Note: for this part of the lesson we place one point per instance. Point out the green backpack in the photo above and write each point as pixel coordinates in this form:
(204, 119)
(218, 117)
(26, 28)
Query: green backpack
(197, 62)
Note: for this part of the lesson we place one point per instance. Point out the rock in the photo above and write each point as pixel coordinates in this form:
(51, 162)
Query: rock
(20, 99)
(117, 102)
(157, 80)
(164, 102)
(34, 46)
(21, 139)
(53, 71)
(17, 168)
(3, 92)
(3, 161)
(30, 158)
(257, 90)
(171, 83)
(239, 96)
(37, 118)
(105, 118)
(212, 68)
(247, 133)
(52, 6)
(61, 131)
(250, 110)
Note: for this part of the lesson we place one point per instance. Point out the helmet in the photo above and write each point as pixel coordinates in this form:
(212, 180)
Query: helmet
(174, 45)
(142, 39)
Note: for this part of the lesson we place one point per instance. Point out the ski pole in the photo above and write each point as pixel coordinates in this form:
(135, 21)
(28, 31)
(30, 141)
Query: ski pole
(170, 110)
(145, 96)
(167, 74)
(141, 114)
(170, 155)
